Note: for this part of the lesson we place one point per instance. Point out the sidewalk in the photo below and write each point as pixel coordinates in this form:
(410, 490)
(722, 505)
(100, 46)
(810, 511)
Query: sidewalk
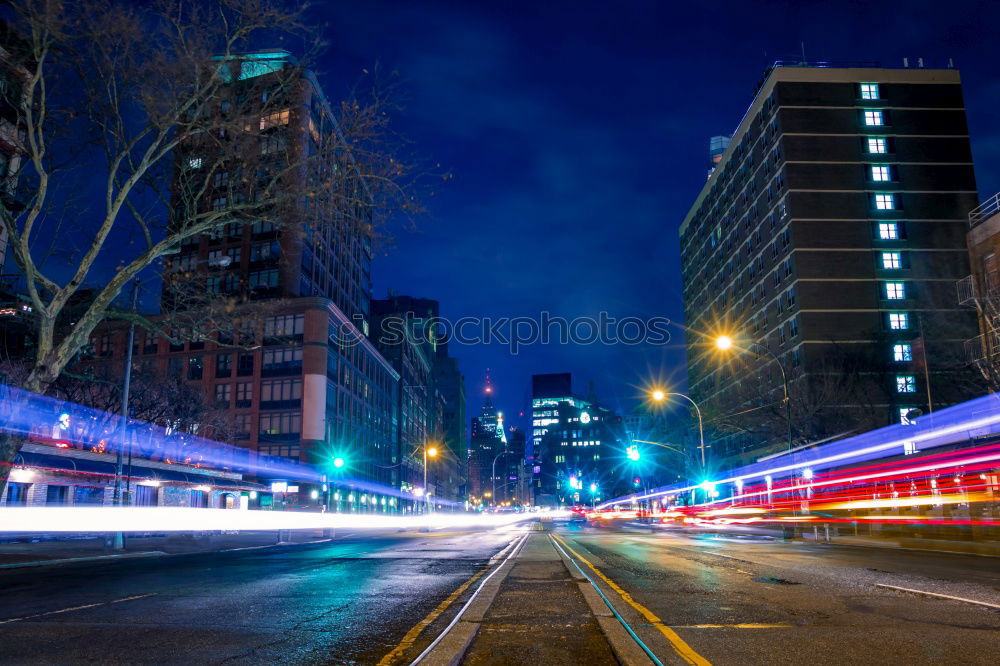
(537, 613)
(25, 553)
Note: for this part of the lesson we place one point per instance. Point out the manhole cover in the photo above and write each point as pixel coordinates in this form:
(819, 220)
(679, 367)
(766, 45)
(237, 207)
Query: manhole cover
(772, 579)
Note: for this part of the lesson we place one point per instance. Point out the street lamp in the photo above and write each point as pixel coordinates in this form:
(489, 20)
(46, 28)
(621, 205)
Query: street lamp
(724, 343)
(493, 473)
(659, 396)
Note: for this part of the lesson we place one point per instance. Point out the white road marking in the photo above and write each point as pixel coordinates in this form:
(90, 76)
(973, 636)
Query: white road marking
(76, 608)
(942, 596)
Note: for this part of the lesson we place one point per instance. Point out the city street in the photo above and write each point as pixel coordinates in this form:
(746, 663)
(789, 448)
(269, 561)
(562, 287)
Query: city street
(348, 601)
(712, 598)
(756, 600)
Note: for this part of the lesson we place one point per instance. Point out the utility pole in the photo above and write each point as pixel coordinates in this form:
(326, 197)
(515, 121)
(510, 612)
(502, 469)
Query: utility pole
(118, 542)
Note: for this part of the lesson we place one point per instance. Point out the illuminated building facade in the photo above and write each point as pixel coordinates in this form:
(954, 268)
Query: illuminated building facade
(830, 236)
(575, 443)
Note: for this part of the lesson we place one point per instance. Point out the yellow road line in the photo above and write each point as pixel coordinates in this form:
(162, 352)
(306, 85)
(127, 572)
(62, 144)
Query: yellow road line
(685, 651)
(743, 625)
(411, 636)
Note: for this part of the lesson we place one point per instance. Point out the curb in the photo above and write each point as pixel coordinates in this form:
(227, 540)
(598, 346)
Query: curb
(148, 554)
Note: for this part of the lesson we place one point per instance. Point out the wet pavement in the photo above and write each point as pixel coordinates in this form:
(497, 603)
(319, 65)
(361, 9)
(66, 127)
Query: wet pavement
(346, 601)
(746, 601)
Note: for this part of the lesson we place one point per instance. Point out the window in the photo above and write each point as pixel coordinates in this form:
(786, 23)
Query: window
(223, 365)
(869, 91)
(880, 173)
(195, 367)
(234, 254)
(902, 352)
(283, 359)
(874, 118)
(244, 365)
(145, 496)
(220, 203)
(274, 119)
(17, 493)
(906, 384)
(56, 494)
(885, 202)
(560, 459)
(280, 423)
(223, 394)
(263, 250)
(894, 291)
(102, 347)
(888, 231)
(244, 394)
(877, 146)
(220, 179)
(194, 163)
(283, 325)
(199, 499)
(892, 260)
(899, 321)
(280, 390)
(241, 427)
(793, 327)
(263, 279)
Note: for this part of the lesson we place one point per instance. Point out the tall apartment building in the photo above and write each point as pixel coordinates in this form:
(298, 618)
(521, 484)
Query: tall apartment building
(304, 382)
(830, 236)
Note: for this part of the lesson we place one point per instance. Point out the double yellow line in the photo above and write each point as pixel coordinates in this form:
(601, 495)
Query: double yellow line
(685, 651)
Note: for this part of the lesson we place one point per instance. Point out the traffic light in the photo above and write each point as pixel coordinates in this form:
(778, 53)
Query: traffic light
(636, 482)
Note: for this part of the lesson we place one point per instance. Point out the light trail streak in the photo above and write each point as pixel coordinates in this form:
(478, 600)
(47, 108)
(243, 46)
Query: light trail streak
(182, 519)
(980, 417)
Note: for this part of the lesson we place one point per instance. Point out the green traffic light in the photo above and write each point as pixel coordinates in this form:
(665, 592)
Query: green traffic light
(338, 462)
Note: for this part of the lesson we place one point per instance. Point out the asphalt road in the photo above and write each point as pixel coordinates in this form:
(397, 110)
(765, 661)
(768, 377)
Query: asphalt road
(761, 601)
(347, 601)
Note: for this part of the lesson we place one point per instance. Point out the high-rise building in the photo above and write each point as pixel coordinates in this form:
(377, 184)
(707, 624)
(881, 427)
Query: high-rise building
(450, 384)
(301, 380)
(829, 238)
(487, 443)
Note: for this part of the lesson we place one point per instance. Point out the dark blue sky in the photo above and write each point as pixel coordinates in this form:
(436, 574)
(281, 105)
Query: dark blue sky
(578, 133)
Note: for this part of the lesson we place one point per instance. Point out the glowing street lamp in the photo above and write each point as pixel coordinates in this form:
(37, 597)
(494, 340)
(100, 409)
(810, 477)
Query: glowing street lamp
(429, 452)
(338, 462)
(725, 343)
(659, 395)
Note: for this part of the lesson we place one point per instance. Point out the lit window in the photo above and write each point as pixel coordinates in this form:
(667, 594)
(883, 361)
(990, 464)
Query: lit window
(899, 321)
(885, 202)
(902, 352)
(888, 231)
(906, 384)
(877, 146)
(194, 163)
(880, 173)
(891, 260)
(277, 118)
(894, 291)
(874, 118)
(869, 91)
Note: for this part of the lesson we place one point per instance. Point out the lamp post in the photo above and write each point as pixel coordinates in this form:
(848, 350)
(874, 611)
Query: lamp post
(429, 452)
(118, 542)
(725, 343)
(659, 396)
(493, 473)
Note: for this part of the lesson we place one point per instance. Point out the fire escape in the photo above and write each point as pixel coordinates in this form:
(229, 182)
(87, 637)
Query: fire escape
(981, 290)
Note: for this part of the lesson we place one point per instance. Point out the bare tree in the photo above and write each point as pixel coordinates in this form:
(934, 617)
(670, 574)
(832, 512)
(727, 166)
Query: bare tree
(146, 125)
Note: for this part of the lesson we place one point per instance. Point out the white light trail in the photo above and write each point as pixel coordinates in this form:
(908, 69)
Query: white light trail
(181, 519)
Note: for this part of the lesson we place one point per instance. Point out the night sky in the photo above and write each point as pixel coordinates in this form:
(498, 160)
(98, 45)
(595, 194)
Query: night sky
(578, 137)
